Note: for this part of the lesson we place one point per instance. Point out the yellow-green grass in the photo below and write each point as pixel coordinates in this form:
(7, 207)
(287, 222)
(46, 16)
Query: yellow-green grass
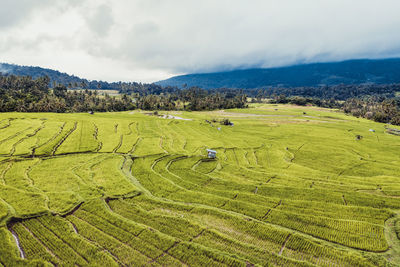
(291, 186)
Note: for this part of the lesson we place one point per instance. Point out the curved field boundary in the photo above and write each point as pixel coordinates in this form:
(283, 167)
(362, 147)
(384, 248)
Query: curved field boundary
(64, 138)
(50, 140)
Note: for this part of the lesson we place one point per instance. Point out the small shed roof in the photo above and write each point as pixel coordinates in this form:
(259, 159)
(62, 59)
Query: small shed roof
(211, 151)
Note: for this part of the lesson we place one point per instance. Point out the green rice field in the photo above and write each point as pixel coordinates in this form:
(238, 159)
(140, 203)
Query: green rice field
(291, 186)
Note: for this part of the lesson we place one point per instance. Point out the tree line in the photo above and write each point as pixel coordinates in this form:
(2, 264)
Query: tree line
(25, 94)
(379, 109)
(193, 99)
(340, 92)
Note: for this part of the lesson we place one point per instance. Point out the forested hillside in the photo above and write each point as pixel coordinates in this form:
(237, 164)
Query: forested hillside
(71, 81)
(384, 71)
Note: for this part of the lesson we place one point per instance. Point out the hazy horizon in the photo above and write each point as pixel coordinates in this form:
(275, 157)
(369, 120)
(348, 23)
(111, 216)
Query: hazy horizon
(153, 40)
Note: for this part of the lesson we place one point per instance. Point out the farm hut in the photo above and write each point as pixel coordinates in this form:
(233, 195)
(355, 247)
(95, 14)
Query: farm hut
(372, 130)
(212, 154)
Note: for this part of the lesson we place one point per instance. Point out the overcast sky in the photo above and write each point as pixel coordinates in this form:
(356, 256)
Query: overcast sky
(149, 40)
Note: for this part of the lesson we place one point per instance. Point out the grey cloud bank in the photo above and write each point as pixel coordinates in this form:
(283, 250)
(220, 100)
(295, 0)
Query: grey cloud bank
(148, 40)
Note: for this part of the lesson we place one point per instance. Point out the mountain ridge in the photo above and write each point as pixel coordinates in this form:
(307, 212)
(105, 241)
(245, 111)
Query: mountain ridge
(355, 71)
(59, 77)
(36, 72)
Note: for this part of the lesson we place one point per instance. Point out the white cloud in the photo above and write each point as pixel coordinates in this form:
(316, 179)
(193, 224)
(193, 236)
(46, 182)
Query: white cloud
(100, 20)
(148, 40)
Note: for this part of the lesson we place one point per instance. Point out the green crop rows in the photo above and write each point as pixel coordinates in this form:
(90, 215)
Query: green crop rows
(290, 186)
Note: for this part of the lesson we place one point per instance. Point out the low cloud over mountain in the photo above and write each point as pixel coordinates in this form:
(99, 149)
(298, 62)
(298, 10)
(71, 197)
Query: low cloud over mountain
(150, 40)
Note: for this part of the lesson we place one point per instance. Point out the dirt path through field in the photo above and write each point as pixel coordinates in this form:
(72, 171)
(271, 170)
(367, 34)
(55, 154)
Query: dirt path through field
(21, 251)
(284, 244)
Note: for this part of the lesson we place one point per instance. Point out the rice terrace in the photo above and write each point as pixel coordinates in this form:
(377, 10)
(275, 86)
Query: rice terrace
(290, 186)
